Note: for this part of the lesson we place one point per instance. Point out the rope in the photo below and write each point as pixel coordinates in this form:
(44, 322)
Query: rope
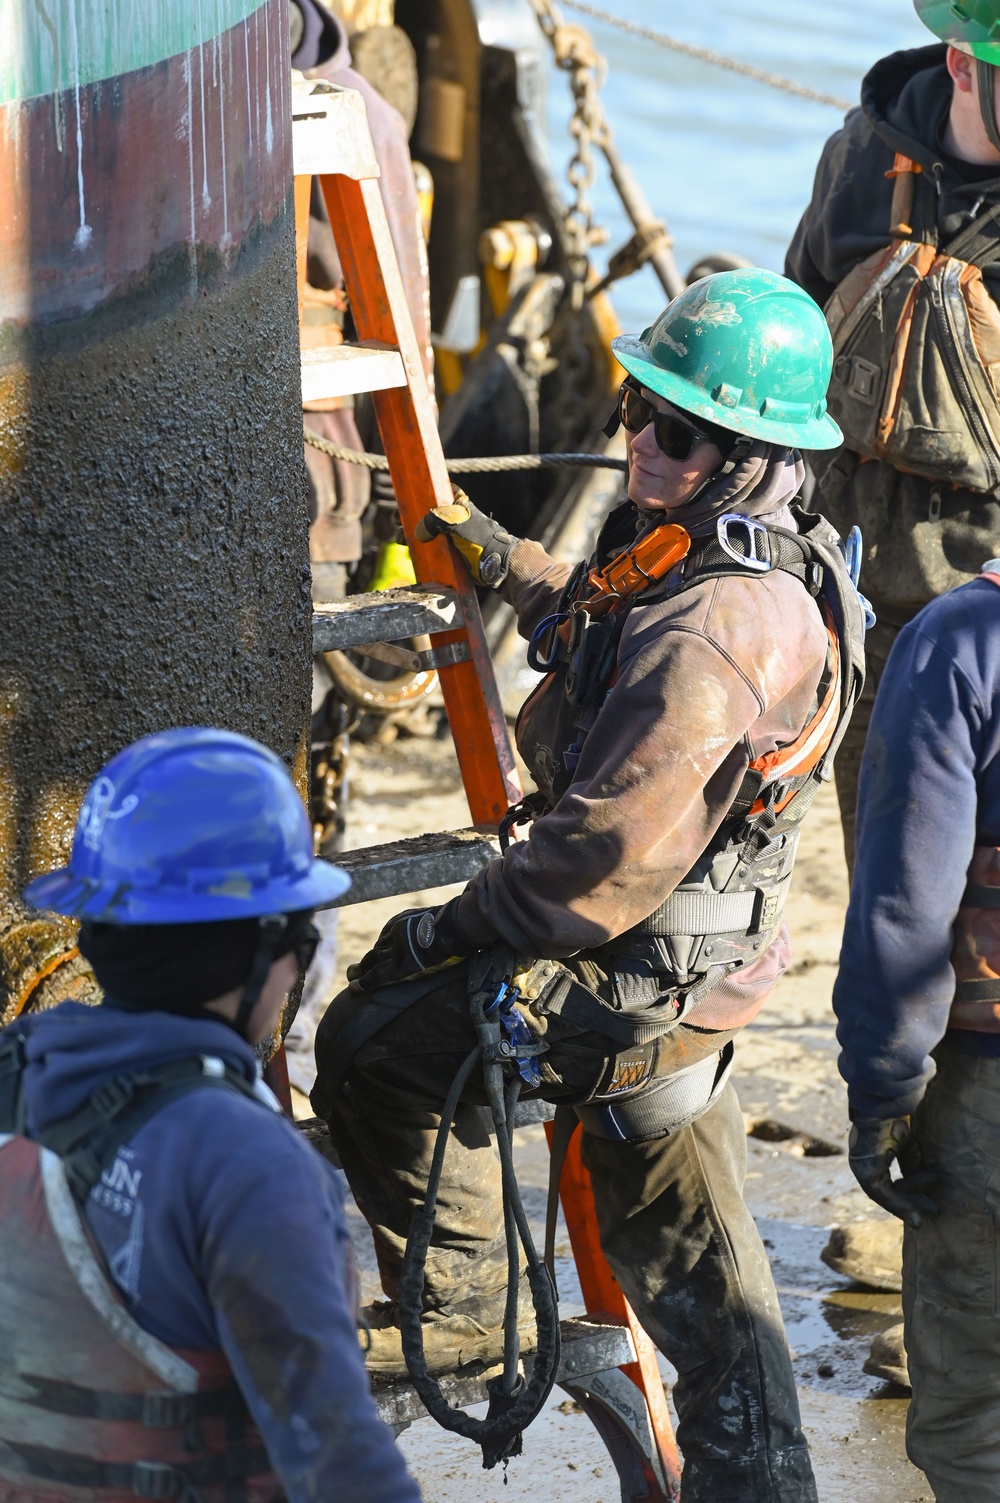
(705, 55)
(493, 466)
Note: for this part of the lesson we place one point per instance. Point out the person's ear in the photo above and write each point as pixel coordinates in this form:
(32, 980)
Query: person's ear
(961, 67)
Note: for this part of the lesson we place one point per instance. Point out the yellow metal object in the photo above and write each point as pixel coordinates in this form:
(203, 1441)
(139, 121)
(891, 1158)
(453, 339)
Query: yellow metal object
(509, 253)
(608, 328)
(425, 196)
(394, 568)
(450, 370)
(361, 14)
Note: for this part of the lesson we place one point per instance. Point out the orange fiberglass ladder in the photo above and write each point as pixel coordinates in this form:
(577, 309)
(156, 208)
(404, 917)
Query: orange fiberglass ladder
(609, 1364)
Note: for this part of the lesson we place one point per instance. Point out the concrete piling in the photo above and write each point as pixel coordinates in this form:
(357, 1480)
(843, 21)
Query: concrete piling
(153, 530)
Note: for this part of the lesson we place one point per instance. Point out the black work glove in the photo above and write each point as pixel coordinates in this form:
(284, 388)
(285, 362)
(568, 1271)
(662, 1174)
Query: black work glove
(416, 941)
(875, 1143)
(483, 543)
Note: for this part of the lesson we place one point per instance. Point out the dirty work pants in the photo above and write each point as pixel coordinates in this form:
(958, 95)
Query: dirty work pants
(673, 1224)
(950, 1297)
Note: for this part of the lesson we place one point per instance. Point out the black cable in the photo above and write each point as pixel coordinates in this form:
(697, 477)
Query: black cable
(499, 1432)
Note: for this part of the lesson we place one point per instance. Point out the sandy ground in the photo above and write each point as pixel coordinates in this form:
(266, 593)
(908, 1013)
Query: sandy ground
(796, 1187)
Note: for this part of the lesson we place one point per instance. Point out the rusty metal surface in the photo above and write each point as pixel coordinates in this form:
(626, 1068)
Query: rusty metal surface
(154, 567)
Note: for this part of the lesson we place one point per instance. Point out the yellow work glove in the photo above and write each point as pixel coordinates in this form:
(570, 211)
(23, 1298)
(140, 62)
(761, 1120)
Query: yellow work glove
(485, 545)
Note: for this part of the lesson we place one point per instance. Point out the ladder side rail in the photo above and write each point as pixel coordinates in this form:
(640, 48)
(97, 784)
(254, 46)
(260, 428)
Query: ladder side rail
(409, 432)
(602, 1295)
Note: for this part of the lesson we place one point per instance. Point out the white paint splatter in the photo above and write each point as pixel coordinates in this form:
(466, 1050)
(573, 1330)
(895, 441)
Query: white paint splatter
(256, 70)
(206, 197)
(269, 130)
(189, 122)
(246, 55)
(222, 134)
(84, 233)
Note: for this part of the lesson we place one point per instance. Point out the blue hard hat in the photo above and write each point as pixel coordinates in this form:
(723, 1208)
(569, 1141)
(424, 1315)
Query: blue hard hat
(190, 826)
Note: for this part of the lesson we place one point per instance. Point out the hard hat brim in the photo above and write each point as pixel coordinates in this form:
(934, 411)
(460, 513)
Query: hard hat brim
(813, 433)
(114, 903)
(966, 35)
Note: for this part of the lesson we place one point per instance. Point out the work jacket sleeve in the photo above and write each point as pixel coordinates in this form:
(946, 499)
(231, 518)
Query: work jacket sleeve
(275, 1261)
(658, 772)
(534, 584)
(917, 816)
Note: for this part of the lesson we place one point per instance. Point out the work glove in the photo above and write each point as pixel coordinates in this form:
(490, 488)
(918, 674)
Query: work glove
(483, 543)
(874, 1145)
(415, 942)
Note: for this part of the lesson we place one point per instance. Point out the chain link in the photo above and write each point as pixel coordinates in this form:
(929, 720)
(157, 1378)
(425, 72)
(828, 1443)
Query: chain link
(576, 55)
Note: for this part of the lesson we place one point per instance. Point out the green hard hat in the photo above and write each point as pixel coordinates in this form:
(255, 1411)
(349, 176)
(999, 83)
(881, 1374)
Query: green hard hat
(972, 26)
(746, 349)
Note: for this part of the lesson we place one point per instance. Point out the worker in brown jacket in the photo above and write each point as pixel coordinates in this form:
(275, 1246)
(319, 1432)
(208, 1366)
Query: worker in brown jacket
(698, 674)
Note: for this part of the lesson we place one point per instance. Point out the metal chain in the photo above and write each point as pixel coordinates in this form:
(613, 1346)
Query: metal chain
(576, 55)
(704, 54)
(495, 465)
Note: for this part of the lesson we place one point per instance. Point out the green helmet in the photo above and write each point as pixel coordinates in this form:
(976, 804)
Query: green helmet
(972, 26)
(746, 349)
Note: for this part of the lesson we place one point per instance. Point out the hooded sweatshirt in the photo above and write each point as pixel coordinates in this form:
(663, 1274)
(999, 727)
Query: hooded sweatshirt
(706, 683)
(905, 101)
(223, 1229)
(930, 793)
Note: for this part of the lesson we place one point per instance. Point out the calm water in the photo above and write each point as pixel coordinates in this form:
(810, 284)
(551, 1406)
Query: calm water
(726, 161)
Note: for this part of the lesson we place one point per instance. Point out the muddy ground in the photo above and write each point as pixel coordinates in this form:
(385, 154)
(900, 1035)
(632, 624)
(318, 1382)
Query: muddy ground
(798, 1184)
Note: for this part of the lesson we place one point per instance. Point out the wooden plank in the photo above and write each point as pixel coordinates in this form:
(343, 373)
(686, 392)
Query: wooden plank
(343, 370)
(330, 131)
(408, 427)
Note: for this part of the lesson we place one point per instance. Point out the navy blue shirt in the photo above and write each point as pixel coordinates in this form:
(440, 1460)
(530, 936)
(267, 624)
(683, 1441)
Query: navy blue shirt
(223, 1229)
(929, 793)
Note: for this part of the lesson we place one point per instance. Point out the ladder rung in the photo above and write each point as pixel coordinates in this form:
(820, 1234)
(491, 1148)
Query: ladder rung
(588, 1347)
(383, 616)
(414, 865)
(343, 370)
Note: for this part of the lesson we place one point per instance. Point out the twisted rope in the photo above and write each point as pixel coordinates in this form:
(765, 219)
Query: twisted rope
(493, 466)
(706, 55)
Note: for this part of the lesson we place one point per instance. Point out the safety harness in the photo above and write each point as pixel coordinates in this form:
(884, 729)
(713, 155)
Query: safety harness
(728, 909)
(93, 1406)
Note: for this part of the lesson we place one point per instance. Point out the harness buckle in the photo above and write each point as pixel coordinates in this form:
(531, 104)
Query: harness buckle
(155, 1479)
(166, 1411)
(757, 554)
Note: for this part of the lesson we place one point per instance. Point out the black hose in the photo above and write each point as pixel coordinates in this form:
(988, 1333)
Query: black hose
(498, 1433)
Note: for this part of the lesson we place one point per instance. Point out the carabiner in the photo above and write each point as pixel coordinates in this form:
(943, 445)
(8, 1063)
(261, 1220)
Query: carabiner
(552, 623)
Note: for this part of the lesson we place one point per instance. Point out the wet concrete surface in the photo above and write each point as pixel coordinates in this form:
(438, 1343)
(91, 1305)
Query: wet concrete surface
(798, 1186)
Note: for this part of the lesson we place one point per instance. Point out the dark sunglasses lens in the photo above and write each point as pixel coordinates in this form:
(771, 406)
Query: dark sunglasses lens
(636, 412)
(676, 439)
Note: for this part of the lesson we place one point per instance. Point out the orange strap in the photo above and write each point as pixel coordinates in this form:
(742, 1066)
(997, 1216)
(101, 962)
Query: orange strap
(801, 756)
(903, 170)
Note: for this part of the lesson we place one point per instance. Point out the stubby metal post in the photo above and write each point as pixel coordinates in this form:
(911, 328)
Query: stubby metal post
(153, 563)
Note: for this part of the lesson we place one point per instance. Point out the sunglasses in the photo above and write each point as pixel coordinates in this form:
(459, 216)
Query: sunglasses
(674, 437)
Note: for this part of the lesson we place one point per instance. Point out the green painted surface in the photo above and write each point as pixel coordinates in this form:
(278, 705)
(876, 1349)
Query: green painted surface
(49, 45)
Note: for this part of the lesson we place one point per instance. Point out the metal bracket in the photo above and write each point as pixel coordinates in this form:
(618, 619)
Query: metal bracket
(444, 656)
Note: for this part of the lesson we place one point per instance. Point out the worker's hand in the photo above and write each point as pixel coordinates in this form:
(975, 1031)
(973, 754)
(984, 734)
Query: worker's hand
(483, 543)
(875, 1145)
(411, 944)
